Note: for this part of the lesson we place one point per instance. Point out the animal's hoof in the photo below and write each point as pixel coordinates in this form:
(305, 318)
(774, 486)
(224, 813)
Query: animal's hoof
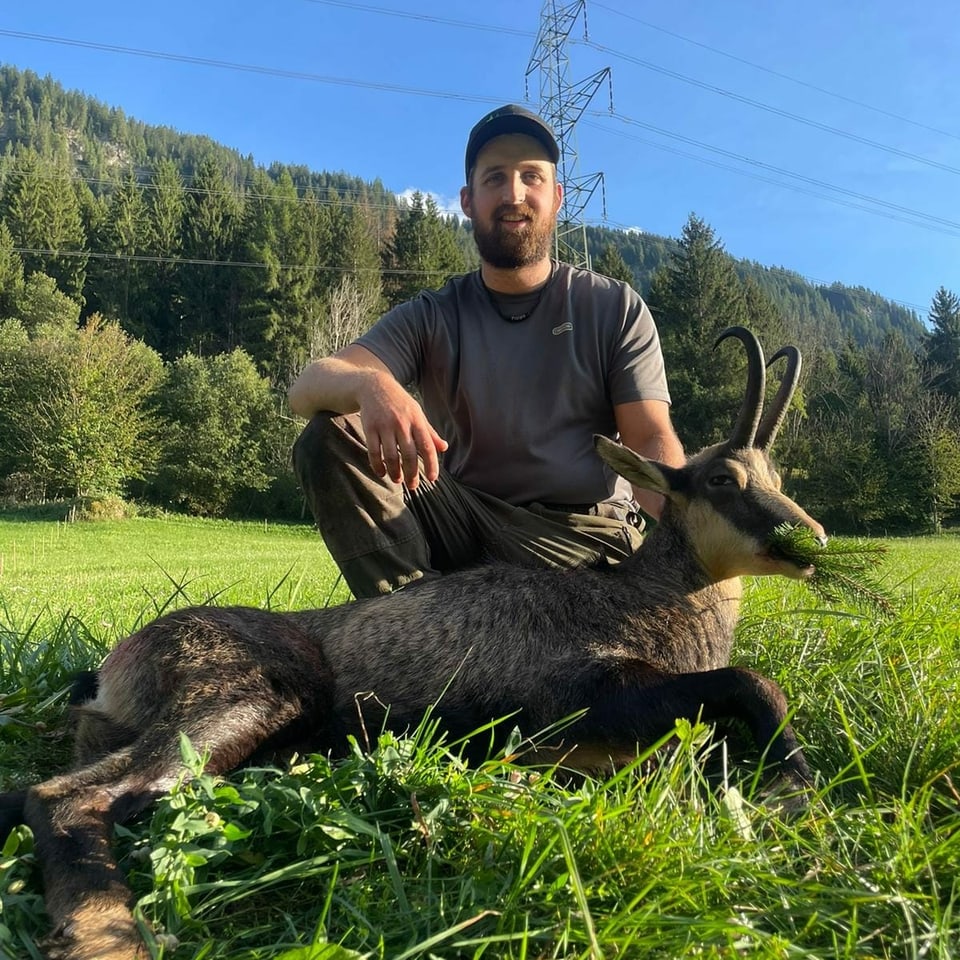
(788, 796)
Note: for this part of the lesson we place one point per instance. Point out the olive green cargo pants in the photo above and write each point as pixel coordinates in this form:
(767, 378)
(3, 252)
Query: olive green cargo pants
(384, 536)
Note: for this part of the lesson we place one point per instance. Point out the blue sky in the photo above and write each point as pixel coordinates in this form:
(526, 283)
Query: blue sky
(823, 138)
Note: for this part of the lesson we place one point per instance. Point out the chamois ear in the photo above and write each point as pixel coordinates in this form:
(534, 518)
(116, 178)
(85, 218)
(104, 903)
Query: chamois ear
(640, 471)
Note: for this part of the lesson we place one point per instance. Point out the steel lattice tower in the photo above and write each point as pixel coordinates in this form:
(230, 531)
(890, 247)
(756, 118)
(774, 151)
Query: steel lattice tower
(561, 104)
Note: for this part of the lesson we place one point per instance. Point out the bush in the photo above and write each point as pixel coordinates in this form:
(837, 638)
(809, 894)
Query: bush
(222, 435)
(107, 507)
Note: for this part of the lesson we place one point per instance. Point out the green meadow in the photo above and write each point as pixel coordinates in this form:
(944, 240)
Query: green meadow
(401, 851)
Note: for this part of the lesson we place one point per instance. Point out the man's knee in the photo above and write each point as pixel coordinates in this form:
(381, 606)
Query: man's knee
(320, 442)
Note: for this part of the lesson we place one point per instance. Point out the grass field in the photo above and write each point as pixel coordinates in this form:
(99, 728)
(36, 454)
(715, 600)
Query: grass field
(401, 851)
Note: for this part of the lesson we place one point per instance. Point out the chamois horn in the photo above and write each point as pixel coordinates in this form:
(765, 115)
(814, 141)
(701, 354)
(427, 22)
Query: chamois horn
(746, 426)
(770, 424)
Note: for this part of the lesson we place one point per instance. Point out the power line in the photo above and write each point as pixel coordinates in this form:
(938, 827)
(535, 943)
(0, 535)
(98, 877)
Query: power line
(769, 108)
(933, 221)
(389, 271)
(248, 67)
(426, 18)
(778, 183)
(467, 97)
(449, 95)
(207, 262)
(472, 25)
(777, 73)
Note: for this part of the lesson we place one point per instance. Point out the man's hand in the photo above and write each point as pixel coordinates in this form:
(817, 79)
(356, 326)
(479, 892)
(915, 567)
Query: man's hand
(396, 428)
(398, 432)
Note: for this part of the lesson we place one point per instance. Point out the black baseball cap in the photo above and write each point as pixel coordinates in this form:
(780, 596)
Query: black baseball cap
(509, 119)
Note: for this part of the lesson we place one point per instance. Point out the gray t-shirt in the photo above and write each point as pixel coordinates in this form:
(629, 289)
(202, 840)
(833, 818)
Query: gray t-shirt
(519, 402)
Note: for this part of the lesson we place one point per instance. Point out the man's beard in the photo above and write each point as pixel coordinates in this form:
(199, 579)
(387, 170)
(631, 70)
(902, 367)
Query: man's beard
(509, 251)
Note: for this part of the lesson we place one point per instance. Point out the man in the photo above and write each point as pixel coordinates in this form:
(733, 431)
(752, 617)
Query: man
(518, 365)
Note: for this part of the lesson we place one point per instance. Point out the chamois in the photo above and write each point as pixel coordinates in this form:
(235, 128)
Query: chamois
(628, 648)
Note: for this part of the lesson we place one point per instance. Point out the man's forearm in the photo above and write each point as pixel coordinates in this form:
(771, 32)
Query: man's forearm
(329, 384)
(665, 448)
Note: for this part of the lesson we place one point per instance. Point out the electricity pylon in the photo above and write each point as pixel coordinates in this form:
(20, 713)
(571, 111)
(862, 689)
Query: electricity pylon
(561, 104)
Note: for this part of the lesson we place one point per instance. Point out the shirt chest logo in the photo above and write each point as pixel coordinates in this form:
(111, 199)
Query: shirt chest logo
(566, 327)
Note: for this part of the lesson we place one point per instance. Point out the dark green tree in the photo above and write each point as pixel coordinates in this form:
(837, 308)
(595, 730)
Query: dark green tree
(882, 444)
(611, 264)
(312, 283)
(942, 345)
(763, 316)
(161, 311)
(208, 281)
(289, 237)
(11, 273)
(693, 298)
(23, 206)
(42, 210)
(117, 281)
(264, 214)
(845, 481)
(424, 252)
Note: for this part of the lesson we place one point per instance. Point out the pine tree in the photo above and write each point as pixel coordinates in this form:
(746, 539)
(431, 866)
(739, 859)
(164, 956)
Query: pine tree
(209, 285)
(693, 298)
(161, 307)
(762, 316)
(611, 264)
(117, 282)
(942, 345)
(302, 330)
(23, 207)
(354, 252)
(424, 252)
(11, 273)
(42, 210)
(304, 233)
(258, 244)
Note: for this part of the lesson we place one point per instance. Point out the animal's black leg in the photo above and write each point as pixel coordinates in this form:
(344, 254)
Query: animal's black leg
(635, 704)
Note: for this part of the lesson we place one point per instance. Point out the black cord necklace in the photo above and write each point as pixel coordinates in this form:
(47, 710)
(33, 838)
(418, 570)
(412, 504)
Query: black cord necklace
(527, 302)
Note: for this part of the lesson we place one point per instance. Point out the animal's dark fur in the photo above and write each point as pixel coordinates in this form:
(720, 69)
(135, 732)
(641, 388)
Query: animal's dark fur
(636, 646)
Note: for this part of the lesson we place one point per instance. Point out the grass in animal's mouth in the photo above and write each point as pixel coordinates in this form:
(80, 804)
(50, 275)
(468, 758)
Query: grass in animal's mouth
(843, 569)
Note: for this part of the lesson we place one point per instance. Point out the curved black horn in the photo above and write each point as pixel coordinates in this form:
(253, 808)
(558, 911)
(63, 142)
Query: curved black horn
(746, 426)
(767, 431)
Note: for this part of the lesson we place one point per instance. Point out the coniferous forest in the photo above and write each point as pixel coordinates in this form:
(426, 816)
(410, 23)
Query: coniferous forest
(159, 291)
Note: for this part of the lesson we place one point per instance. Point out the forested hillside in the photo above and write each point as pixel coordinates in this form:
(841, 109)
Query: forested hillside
(158, 292)
(836, 311)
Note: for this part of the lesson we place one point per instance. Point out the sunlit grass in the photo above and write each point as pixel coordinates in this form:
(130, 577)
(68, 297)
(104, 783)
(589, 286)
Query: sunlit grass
(112, 574)
(403, 851)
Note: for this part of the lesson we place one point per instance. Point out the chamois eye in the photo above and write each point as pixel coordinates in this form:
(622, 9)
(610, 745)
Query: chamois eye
(721, 480)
